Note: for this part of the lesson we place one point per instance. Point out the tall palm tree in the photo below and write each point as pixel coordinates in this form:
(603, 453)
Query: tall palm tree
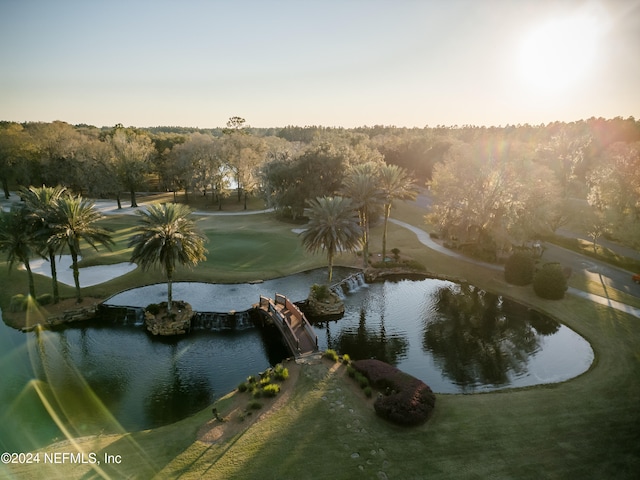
(333, 226)
(167, 237)
(41, 203)
(74, 221)
(17, 240)
(361, 186)
(396, 184)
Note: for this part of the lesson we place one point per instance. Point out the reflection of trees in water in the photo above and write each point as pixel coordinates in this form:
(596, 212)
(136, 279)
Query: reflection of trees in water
(368, 342)
(543, 324)
(478, 338)
(171, 401)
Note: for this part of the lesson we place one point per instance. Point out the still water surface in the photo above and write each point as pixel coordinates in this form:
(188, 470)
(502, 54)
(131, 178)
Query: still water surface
(104, 377)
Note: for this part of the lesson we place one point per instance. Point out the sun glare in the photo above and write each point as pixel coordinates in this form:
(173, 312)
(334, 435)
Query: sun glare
(560, 53)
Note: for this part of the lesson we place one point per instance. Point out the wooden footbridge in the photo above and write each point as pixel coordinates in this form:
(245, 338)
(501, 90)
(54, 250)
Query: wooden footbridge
(293, 325)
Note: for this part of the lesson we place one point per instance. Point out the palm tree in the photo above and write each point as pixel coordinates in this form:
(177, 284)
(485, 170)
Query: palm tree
(17, 240)
(41, 203)
(74, 221)
(167, 237)
(333, 226)
(361, 186)
(396, 184)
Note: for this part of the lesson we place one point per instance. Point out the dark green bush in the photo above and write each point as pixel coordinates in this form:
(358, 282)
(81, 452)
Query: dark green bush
(550, 282)
(18, 303)
(519, 269)
(368, 392)
(45, 299)
(351, 371)
(242, 387)
(153, 308)
(320, 292)
(362, 380)
(409, 401)
(254, 405)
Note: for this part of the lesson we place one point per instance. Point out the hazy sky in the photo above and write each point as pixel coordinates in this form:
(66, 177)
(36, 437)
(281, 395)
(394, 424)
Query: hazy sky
(330, 62)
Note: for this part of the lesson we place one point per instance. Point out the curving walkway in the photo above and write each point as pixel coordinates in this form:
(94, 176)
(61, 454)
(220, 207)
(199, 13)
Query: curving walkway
(425, 239)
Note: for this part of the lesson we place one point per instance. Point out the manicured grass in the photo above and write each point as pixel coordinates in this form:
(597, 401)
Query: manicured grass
(241, 249)
(588, 427)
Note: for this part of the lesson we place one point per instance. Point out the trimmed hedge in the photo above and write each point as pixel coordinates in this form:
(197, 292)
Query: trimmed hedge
(18, 303)
(550, 282)
(519, 269)
(406, 401)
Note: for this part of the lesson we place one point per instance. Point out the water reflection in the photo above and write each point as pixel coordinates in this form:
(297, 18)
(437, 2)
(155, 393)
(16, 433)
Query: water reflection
(456, 338)
(171, 393)
(477, 338)
(369, 341)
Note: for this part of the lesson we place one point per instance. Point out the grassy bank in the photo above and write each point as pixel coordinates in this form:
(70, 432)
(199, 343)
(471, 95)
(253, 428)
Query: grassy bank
(241, 249)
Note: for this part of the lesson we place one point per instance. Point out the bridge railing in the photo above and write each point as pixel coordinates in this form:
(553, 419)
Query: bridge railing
(287, 330)
(303, 319)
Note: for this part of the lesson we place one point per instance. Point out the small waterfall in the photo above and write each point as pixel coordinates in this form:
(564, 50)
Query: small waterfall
(351, 284)
(217, 322)
(354, 282)
(338, 290)
(129, 316)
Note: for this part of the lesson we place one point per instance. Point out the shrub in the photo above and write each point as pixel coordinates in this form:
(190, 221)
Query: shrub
(409, 401)
(320, 292)
(330, 354)
(45, 299)
(254, 405)
(266, 380)
(362, 380)
(519, 269)
(153, 308)
(18, 303)
(351, 371)
(396, 253)
(251, 379)
(243, 387)
(549, 282)
(346, 359)
(281, 372)
(271, 390)
(368, 392)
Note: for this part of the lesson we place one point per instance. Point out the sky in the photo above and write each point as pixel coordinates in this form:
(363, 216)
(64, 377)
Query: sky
(346, 63)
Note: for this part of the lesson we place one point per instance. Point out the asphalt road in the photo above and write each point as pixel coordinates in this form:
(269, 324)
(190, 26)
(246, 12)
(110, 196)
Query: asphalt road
(592, 269)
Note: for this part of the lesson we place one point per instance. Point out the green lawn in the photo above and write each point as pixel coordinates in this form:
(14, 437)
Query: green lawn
(587, 428)
(241, 249)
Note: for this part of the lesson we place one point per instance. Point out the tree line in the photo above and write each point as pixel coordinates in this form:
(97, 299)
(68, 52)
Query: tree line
(491, 187)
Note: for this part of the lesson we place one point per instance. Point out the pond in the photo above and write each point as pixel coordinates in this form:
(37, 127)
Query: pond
(456, 338)
(105, 377)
